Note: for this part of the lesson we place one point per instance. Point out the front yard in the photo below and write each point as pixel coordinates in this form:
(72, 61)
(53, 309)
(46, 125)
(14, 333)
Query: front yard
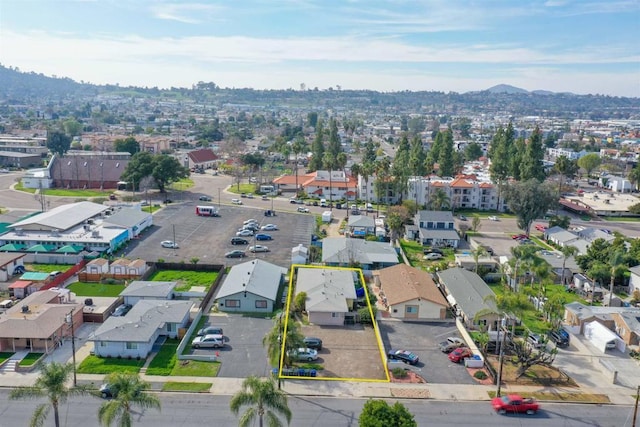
(106, 365)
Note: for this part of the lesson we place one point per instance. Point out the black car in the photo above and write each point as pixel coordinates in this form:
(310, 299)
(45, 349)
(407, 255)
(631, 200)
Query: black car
(404, 356)
(235, 254)
(239, 241)
(558, 338)
(121, 310)
(106, 391)
(312, 342)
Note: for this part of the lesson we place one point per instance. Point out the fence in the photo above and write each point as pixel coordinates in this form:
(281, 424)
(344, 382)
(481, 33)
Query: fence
(61, 278)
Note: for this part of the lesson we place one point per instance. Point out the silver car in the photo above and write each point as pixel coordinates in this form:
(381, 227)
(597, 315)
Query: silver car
(305, 354)
(208, 341)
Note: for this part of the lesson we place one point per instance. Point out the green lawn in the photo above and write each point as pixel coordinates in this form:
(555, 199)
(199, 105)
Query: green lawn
(165, 360)
(46, 268)
(64, 192)
(414, 252)
(185, 279)
(191, 387)
(5, 355)
(243, 188)
(30, 359)
(100, 365)
(195, 368)
(83, 289)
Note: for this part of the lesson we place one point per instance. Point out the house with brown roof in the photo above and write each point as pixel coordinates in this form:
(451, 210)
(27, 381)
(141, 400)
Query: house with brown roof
(320, 184)
(411, 293)
(204, 158)
(10, 264)
(39, 322)
(87, 169)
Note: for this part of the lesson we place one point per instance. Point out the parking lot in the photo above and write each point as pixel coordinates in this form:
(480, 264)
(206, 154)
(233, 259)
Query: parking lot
(243, 354)
(208, 238)
(423, 339)
(349, 351)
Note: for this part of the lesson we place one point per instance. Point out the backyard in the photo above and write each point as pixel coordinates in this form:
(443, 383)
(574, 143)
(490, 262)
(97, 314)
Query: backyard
(185, 279)
(415, 255)
(85, 289)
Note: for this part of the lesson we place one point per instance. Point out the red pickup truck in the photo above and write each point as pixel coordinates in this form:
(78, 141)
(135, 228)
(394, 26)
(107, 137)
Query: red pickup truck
(515, 403)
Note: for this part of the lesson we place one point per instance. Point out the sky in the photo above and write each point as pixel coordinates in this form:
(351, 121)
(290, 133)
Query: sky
(579, 46)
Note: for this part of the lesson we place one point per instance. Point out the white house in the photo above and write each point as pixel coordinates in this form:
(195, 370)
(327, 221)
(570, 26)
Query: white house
(330, 294)
(148, 290)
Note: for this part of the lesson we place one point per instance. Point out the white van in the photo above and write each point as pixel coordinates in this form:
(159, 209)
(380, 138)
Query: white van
(323, 203)
(6, 304)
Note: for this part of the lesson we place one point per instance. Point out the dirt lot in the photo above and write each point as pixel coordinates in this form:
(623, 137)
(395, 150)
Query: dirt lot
(348, 351)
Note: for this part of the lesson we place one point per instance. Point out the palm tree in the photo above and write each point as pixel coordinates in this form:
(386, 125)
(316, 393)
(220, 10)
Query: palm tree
(567, 251)
(440, 200)
(618, 265)
(478, 252)
(328, 162)
(263, 399)
(128, 390)
(52, 384)
(273, 341)
(356, 171)
(297, 147)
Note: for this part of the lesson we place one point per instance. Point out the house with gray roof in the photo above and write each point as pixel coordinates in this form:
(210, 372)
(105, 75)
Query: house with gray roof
(590, 234)
(134, 334)
(470, 297)
(624, 321)
(634, 279)
(433, 228)
(148, 290)
(251, 286)
(560, 236)
(134, 220)
(556, 260)
(344, 252)
(331, 294)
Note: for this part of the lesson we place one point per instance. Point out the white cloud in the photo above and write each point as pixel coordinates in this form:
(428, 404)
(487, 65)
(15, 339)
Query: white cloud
(187, 13)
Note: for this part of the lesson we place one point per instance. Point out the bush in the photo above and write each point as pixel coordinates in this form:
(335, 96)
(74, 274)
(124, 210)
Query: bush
(365, 316)
(480, 375)
(399, 373)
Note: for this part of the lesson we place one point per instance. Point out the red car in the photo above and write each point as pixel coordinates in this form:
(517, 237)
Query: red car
(515, 403)
(519, 236)
(459, 354)
(541, 228)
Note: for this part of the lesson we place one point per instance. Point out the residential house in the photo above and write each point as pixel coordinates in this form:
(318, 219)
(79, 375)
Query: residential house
(470, 297)
(590, 234)
(411, 293)
(361, 226)
(251, 286)
(148, 290)
(556, 260)
(334, 185)
(22, 288)
(132, 219)
(624, 322)
(10, 264)
(39, 322)
(119, 267)
(634, 279)
(97, 266)
(134, 334)
(433, 228)
(560, 236)
(331, 294)
(203, 158)
(368, 255)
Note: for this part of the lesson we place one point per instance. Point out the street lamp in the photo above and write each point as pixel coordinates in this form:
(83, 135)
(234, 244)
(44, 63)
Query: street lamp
(69, 321)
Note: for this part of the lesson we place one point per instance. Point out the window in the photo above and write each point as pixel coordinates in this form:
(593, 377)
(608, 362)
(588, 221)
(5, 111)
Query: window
(232, 303)
(132, 346)
(411, 309)
(335, 314)
(103, 343)
(171, 327)
(261, 303)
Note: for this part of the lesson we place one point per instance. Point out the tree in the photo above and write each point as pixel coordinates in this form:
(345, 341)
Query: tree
(273, 341)
(317, 148)
(589, 162)
(475, 223)
(128, 390)
(567, 251)
(397, 216)
(52, 384)
(525, 356)
(439, 201)
(473, 152)
(72, 127)
(264, 401)
(300, 301)
(561, 221)
(634, 176)
(417, 157)
(532, 166)
(163, 168)
(529, 200)
(400, 169)
(58, 143)
(566, 169)
(378, 413)
(127, 145)
(446, 160)
(499, 152)
(477, 254)
(618, 266)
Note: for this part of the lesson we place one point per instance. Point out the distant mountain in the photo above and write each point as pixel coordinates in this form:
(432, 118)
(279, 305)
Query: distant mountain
(18, 85)
(506, 89)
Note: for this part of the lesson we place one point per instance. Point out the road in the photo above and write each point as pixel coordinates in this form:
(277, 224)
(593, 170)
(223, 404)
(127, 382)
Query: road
(187, 410)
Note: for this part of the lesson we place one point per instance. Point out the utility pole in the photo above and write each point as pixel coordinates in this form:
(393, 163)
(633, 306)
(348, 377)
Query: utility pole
(69, 320)
(501, 358)
(635, 411)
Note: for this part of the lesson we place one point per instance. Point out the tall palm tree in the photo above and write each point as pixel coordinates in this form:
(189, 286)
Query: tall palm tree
(52, 384)
(567, 251)
(356, 171)
(128, 390)
(273, 341)
(328, 162)
(618, 265)
(298, 146)
(478, 252)
(440, 200)
(263, 399)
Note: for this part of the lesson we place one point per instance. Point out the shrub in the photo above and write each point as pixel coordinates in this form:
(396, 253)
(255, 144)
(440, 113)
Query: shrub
(399, 373)
(365, 316)
(481, 375)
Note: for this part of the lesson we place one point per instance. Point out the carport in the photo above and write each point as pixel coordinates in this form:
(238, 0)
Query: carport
(599, 335)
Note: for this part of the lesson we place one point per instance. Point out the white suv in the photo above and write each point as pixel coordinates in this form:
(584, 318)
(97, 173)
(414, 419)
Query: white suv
(208, 341)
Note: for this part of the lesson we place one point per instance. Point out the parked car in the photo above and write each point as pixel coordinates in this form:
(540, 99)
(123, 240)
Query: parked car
(304, 354)
(244, 233)
(250, 221)
(303, 210)
(258, 248)
(432, 251)
(239, 241)
(404, 356)
(610, 345)
(462, 217)
(432, 256)
(169, 244)
(313, 343)
(253, 227)
(519, 236)
(541, 228)
(106, 391)
(236, 201)
(208, 341)
(493, 218)
(450, 344)
(269, 212)
(535, 340)
(235, 254)
(262, 236)
(210, 330)
(296, 201)
(121, 310)
(459, 354)
(250, 196)
(558, 339)
(515, 403)
(205, 198)
(112, 197)
(264, 198)
(269, 227)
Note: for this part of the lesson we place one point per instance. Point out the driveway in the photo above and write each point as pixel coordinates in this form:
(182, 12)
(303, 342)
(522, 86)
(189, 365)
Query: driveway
(243, 354)
(423, 340)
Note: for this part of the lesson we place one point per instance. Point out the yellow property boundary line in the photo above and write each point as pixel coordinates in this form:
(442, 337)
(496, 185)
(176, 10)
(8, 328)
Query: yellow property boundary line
(294, 269)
